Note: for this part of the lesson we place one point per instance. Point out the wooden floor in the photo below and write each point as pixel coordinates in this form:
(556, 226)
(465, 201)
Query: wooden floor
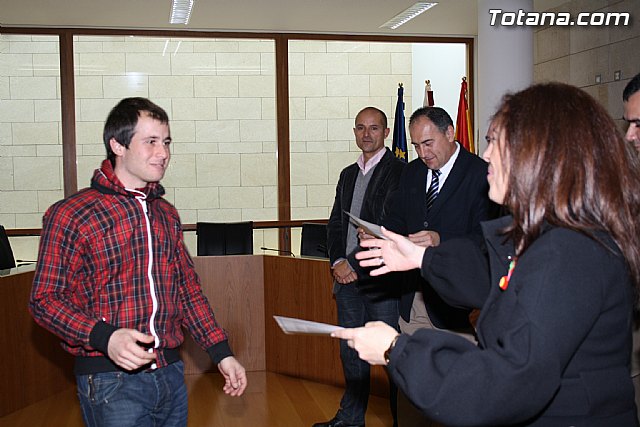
(271, 400)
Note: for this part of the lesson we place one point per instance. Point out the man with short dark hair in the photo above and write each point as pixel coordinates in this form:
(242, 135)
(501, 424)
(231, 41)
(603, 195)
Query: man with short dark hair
(115, 282)
(631, 99)
(362, 190)
(442, 194)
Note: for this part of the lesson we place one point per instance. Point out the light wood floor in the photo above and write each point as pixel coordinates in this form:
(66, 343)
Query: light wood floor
(271, 400)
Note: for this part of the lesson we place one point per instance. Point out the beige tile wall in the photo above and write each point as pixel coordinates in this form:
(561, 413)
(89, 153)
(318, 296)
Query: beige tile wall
(30, 134)
(576, 55)
(329, 83)
(220, 97)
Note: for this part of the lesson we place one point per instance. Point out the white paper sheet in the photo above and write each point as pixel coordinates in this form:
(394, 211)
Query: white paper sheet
(368, 227)
(290, 325)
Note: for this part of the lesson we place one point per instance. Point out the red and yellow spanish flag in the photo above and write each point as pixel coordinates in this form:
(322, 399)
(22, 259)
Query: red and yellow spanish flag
(464, 130)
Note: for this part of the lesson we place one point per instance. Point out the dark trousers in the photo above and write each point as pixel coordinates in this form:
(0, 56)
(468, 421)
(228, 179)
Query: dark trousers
(355, 308)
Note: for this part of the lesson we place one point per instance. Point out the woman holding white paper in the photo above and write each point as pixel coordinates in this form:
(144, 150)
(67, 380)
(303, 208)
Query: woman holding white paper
(557, 287)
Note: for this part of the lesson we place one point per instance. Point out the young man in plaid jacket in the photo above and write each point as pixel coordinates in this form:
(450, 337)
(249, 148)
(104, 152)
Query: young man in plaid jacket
(115, 282)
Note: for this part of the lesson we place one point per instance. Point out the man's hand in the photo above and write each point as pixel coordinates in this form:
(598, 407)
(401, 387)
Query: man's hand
(343, 273)
(235, 377)
(362, 235)
(425, 238)
(124, 349)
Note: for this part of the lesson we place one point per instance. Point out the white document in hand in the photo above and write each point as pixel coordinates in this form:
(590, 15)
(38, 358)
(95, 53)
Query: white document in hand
(368, 227)
(290, 325)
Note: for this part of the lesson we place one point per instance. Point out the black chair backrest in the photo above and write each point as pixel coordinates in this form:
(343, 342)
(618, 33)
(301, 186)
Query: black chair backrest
(239, 238)
(314, 240)
(210, 237)
(6, 254)
(220, 238)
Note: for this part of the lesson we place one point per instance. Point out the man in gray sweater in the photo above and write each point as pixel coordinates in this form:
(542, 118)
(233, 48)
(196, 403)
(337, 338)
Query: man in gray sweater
(363, 189)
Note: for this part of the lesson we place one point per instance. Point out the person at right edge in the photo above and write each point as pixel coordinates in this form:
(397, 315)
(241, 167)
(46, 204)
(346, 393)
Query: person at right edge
(430, 209)
(631, 105)
(556, 292)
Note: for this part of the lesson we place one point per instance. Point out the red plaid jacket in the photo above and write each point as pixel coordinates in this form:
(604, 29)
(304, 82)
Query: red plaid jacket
(112, 258)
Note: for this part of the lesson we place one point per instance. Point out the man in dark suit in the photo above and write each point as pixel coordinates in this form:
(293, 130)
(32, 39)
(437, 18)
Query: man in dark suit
(363, 189)
(442, 194)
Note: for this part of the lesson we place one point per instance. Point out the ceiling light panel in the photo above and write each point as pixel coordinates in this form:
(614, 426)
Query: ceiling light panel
(408, 14)
(181, 11)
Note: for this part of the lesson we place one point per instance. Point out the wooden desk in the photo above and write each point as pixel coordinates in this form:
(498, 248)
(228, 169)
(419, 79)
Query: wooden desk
(302, 288)
(255, 288)
(245, 292)
(234, 286)
(33, 365)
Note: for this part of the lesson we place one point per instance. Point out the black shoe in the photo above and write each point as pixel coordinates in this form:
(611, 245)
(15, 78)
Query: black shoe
(336, 423)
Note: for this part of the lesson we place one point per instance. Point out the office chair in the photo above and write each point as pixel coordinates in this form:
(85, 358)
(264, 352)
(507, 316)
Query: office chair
(239, 238)
(6, 254)
(219, 238)
(314, 240)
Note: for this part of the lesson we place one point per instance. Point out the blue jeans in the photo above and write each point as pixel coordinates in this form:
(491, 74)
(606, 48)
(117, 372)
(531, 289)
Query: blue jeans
(355, 308)
(148, 398)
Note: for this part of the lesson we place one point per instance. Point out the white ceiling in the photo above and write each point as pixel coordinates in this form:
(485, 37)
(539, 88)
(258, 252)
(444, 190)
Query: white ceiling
(450, 17)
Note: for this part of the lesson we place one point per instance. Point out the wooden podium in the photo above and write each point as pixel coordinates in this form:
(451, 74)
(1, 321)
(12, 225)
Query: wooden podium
(245, 291)
(33, 365)
(254, 288)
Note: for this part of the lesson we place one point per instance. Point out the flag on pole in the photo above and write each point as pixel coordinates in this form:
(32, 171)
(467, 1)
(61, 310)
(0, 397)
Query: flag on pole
(399, 146)
(464, 130)
(428, 95)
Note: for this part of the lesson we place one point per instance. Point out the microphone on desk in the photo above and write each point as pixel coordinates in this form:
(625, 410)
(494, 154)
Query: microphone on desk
(22, 262)
(278, 250)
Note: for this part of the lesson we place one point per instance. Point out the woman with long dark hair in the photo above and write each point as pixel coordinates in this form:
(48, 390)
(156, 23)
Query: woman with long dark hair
(555, 281)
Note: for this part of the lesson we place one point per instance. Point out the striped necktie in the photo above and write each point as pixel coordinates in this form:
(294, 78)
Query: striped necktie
(432, 192)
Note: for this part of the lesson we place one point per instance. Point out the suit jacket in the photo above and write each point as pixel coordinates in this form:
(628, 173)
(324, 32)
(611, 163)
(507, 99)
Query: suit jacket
(384, 181)
(462, 203)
